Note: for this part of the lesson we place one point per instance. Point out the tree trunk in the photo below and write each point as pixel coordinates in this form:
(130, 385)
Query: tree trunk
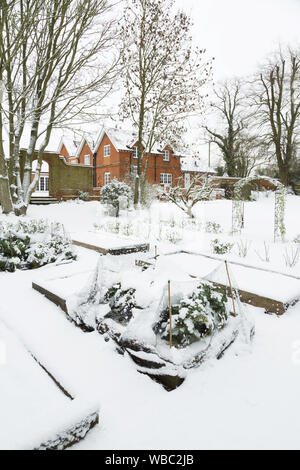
(284, 175)
(5, 197)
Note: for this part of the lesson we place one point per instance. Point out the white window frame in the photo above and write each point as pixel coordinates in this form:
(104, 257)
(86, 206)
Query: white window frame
(135, 152)
(166, 179)
(134, 169)
(106, 178)
(107, 150)
(87, 157)
(166, 156)
(43, 181)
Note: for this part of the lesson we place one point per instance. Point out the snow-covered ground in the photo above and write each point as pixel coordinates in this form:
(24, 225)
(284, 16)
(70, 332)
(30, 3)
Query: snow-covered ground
(248, 399)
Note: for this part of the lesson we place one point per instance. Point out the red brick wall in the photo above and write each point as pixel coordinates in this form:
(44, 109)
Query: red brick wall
(119, 163)
(64, 151)
(86, 150)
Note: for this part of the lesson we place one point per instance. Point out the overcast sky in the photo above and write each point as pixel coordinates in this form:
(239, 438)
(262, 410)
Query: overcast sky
(239, 33)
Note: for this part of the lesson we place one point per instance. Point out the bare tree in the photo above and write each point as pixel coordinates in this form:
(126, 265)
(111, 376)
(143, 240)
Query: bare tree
(198, 189)
(164, 77)
(229, 111)
(60, 70)
(276, 99)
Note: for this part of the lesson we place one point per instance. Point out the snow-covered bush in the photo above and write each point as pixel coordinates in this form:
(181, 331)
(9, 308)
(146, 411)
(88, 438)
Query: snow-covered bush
(28, 244)
(83, 196)
(297, 239)
(291, 255)
(221, 248)
(173, 235)
(213, 227)
(121, 302)
(243, 248)
(13, 252)
(195, 317)
(49, 251)
(127, 229)
(113, 191)
(266, 253)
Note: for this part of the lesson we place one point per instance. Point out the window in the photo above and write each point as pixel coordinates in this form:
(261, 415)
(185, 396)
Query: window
(107, 150)
(135, 152)
(166, 157)
(43, 184)
(106, 177)
(166, 179)
(187, 180)
(134, 170)
(87, 160)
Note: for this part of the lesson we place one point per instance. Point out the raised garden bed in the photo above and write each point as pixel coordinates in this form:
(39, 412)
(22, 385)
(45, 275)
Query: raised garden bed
(152, 357)
(108, 243)
(38, 412)
(254, 286)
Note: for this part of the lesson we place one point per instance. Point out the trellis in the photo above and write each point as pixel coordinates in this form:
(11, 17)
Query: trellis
(279, 207)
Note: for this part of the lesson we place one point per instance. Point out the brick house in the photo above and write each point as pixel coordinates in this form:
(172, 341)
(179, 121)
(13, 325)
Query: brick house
(115, 156)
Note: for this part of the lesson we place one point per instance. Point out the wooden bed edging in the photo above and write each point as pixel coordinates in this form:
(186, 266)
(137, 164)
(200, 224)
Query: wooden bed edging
(142, 247)
(59, 301)
(71, 435)
(269, 305)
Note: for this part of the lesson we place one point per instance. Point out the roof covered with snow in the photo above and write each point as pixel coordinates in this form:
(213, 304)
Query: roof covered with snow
(195, 164)
(121, 139)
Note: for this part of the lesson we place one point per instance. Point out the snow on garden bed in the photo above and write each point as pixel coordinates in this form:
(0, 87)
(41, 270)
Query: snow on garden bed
(263, 283)
(33, 409)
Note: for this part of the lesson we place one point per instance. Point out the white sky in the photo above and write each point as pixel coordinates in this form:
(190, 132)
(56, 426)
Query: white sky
(240, 33)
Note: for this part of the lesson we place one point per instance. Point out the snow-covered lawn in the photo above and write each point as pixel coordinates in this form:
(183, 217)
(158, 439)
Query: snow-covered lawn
(248, 399)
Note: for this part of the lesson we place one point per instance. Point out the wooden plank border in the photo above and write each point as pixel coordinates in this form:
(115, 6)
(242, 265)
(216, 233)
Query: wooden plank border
(142, 247)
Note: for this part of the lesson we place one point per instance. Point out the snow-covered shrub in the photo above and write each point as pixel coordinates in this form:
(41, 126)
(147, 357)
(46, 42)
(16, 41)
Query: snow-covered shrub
(297, 239)
(195, 317)
(127, 229)
(113, 191)
(266, 254)
(27, 244)
(83, 196)
(113, 226)
(243, 247)
(121, 302)
(13, 252)
(173, 235)
(213, 227)
(291, 255)
(221, 248)
(50, 251)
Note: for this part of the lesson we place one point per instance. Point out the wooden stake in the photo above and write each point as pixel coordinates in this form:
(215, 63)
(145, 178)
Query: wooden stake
(170, 312)
(155, 252)
(231, 291)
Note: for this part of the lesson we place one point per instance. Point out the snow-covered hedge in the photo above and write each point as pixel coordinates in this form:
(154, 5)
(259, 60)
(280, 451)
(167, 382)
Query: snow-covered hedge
(114, 192)
(195, 317)
(28, 244)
